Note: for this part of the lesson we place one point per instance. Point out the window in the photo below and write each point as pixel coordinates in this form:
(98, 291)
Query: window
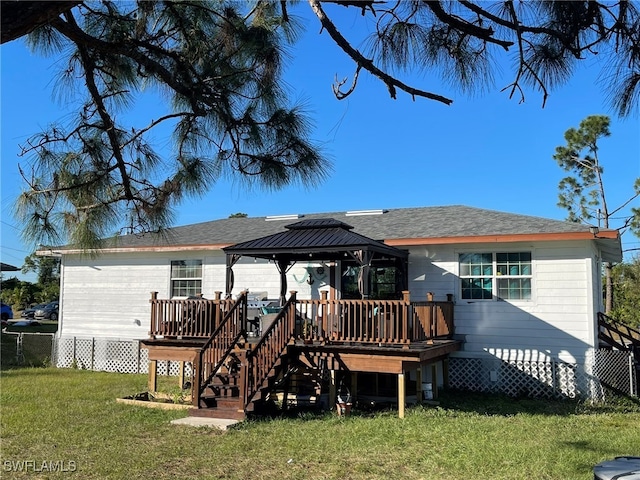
(186, 278)
(503, 276)
(384, 281)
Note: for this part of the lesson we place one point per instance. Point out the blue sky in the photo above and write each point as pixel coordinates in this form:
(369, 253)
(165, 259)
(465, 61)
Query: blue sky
(484, 151)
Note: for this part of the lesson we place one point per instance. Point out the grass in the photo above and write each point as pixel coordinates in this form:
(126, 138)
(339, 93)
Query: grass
(72, 416)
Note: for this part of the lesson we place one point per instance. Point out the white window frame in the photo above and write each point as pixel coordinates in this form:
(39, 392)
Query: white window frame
(189, 262)
(495, 276)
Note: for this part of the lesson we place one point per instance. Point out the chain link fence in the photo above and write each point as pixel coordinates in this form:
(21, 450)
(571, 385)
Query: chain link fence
(27, 349)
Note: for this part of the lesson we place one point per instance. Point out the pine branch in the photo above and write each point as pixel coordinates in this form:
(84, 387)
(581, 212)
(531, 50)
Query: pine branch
(362, 62)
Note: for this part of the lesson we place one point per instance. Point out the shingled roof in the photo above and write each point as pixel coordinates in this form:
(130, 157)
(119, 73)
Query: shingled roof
(401, 226)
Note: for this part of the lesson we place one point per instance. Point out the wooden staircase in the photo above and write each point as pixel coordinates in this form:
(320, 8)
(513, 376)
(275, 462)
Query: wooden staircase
(222, 397)
(234, 377)
(613, 334)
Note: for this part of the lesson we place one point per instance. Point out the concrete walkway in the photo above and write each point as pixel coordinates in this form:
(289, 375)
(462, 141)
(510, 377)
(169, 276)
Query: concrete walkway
(219, 423)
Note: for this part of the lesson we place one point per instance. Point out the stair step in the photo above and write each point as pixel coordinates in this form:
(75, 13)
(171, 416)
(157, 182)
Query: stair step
(221, 402)
(221, 393)
(231, 413)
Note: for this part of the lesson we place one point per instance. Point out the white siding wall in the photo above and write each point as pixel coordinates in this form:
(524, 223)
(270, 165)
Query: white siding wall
(556, 324)
(109, 296)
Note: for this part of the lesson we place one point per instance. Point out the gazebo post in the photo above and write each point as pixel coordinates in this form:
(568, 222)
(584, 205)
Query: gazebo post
(232, 259)
(283, 267)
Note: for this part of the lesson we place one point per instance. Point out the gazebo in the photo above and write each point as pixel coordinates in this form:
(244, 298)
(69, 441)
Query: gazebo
(319, 240)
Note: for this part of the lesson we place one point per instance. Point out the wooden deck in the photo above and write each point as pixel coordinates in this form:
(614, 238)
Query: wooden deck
(234, 371)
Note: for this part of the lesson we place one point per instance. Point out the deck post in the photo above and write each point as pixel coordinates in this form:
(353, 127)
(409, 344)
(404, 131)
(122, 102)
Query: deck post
(154, 315)
(324, 304)
(287, 382)
(445, 373)
(354, 387)
(152, 383)
(402, 397)
(332, 388)
(419, 393)
(181, 373)
(434, 380)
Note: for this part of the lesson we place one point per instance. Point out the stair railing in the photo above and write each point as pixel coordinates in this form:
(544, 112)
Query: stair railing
(262, 358)
(615, 333)
(216, 350)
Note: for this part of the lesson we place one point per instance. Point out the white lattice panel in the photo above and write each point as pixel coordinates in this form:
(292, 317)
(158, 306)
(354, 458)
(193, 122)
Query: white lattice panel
(571, 382)
(116, 356)
(123, 356)
(516, 378)
(467, 374)
(84, 353)
(64, 352)
(526, 379)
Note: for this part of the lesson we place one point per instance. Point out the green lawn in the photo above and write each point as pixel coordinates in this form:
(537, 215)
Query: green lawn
(69, 415)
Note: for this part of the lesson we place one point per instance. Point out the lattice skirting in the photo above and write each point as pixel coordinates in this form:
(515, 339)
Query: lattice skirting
(602, 371)
(109, 355)
(591, 380)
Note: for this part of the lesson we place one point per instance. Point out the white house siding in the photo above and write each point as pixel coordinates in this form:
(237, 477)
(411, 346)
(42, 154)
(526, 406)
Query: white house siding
(261, 276)
(557, 324)
(108, 296)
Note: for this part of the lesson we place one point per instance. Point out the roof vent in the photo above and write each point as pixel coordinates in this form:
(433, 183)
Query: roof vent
(272, 218)
(355, 213)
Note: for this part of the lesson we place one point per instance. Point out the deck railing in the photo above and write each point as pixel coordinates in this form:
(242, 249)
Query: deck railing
(262, 357)
(375, 321)
(193, 318)
(219, 345)
(618, 335)
(362, 321)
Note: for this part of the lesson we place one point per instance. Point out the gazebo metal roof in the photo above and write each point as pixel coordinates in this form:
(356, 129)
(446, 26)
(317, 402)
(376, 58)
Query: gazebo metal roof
(317, 239)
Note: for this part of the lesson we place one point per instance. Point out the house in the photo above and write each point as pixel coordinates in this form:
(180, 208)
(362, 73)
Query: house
(519, 295)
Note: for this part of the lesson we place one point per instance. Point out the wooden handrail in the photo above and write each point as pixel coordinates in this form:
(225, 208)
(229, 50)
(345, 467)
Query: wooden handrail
(262, 358)
(218, 346)
(610, 326)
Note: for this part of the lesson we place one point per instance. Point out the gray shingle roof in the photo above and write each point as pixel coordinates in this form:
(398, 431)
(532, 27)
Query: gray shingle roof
(420, 222)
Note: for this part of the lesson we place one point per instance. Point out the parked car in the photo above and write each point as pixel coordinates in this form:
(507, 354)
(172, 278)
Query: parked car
(31, 311)
(49, 311)
(7, 312)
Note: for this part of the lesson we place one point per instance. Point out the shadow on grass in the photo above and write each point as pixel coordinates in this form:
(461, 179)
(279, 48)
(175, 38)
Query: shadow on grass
(486, 404)
(504, 405)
